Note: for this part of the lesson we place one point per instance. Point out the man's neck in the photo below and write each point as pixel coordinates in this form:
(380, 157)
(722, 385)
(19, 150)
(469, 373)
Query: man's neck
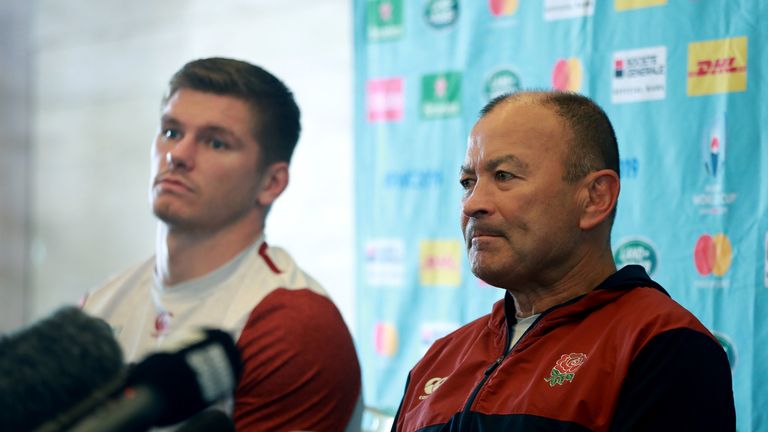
(184, 255)
(579, 279)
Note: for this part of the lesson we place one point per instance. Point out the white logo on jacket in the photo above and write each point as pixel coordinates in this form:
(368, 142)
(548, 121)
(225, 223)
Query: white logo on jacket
(432, 385)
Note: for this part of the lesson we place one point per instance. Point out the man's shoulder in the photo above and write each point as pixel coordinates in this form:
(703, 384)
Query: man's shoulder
(286, 272)
(643, 308)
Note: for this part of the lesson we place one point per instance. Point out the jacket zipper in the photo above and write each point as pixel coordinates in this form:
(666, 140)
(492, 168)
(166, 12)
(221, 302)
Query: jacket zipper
(488, 371)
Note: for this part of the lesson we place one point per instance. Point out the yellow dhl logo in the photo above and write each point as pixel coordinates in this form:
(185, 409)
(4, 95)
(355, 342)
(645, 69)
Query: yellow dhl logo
(717, 66)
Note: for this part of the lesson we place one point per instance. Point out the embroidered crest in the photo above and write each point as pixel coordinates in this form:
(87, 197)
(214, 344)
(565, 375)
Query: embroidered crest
(162, 322)
(565, 368)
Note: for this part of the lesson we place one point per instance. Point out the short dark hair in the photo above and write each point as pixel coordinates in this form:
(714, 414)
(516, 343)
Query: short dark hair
(276, 116)
(595, 146)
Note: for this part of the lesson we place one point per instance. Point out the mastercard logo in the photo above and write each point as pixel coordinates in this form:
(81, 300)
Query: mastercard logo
(503, 7)
(713, 255)
(567, 75)
(385, 339)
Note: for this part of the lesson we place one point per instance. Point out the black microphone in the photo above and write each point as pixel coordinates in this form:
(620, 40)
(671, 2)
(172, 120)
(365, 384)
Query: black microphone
(168, 387)
(211, 420)
(46, 368)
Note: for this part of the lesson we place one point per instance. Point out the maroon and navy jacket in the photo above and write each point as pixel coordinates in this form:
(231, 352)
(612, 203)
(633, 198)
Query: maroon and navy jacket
(624, 357)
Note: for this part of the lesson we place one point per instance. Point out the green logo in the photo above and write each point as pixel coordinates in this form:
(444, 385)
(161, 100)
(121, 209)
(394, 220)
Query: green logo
(636, 251)
(442, 13)
(501, 82)
(727, 345)
(385, 19)
(441, 95)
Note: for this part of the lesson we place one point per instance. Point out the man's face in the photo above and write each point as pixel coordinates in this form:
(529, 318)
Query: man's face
(520, 219)
(210, 179)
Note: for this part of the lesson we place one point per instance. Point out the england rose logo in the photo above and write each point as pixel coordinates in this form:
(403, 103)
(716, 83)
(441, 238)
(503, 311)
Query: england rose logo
(565, 368)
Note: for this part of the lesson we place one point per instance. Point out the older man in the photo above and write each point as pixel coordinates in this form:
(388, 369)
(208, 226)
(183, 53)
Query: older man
(575, 345)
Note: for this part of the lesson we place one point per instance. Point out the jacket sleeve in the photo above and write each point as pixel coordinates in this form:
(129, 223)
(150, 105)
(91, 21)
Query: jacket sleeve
(680, 380)
(300, 368)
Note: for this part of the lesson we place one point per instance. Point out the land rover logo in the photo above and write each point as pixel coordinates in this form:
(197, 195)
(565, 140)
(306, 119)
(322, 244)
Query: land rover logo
(638, 252)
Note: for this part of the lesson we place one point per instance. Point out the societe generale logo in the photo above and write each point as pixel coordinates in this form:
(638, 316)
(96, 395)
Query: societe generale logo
(717, 66)
(567, 75)
(713, 255)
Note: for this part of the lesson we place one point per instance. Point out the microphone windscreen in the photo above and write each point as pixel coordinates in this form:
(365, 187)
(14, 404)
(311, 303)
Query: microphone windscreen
(47, 368)
(205, 370)
(211, 420)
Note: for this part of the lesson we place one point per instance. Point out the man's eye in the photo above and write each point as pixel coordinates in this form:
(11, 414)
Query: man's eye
(466, 183)
(217, 144)
(503, 175)
(171, 133)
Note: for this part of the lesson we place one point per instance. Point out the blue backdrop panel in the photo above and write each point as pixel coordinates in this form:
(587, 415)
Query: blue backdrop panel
(682, 82)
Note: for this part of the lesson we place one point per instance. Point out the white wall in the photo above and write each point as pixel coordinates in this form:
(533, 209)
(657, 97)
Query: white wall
(100, 70)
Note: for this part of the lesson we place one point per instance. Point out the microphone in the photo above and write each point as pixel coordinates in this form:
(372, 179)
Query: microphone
(168, 387)
(208, 421)
(49, 366)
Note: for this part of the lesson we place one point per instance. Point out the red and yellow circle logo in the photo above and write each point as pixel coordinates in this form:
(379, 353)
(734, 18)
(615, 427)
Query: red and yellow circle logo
(567, 75)
(713, 254)
(503, 7)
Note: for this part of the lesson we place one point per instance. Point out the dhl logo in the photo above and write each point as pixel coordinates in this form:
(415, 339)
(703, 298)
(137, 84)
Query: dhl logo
(440, 262)
(717, 66)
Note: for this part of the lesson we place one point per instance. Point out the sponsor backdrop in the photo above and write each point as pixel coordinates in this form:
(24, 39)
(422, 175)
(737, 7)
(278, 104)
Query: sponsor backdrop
(683, 83)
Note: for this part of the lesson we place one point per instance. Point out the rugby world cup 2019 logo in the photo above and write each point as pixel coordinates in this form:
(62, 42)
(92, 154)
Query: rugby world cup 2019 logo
(713, 255)
(717, 66)
(714, 199)
(567, 75)
(384, 19)
(714, 146)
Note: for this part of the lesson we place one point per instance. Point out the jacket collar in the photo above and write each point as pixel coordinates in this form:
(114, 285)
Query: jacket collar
(616, 285)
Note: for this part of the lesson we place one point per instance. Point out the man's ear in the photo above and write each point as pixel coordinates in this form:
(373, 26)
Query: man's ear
(601, 192)
(273, 182)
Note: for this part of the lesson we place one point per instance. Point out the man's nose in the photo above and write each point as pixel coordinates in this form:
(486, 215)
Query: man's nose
(477, 201)
(181, 154)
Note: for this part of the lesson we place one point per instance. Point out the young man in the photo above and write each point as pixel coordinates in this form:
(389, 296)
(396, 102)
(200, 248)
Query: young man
(219, 161)
(575, 345)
